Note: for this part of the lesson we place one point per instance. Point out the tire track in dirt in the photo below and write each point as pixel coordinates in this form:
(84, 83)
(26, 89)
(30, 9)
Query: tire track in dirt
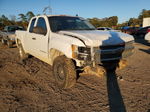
(31, 87)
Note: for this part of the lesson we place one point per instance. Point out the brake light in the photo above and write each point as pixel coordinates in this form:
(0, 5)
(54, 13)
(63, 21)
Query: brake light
(148, 30)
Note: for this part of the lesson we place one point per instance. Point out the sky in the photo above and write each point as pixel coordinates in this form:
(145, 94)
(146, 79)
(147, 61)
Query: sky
(124, 9)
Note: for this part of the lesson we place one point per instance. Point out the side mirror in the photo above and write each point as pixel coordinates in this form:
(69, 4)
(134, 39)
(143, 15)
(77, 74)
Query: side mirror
(39, 30)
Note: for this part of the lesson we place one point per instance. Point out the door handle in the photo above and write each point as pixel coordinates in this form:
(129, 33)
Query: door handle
(33, 38)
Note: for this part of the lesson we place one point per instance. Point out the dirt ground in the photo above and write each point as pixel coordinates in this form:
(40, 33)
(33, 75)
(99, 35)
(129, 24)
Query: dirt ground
(31, 87)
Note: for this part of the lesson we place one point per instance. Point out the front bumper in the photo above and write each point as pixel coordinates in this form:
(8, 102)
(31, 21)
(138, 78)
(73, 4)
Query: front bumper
(109, 53)
(113, 54)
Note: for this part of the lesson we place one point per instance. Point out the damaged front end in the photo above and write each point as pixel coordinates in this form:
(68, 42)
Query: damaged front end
(96, 59)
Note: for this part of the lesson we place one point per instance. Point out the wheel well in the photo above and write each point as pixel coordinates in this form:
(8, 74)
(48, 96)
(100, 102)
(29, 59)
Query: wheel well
(54, 53)
(17, 42)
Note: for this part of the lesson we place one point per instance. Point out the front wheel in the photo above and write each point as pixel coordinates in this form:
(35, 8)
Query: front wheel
(64, 72)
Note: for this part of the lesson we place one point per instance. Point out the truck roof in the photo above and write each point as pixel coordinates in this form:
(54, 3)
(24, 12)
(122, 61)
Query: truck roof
(54, 15)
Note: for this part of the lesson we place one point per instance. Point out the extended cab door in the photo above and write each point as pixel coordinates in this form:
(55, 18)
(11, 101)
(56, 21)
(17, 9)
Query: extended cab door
(38, 40)
(28, 40)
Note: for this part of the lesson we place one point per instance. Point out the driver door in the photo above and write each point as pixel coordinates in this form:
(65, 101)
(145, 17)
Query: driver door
(40, 39)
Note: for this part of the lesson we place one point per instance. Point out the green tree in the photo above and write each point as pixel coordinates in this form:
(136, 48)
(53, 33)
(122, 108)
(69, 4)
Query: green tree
(144, 13)
(4, 17)
(29, 15)
(22, 17)
(94, 21)
(4, 21)
(105, 22)
(113, 21)
(134, 22)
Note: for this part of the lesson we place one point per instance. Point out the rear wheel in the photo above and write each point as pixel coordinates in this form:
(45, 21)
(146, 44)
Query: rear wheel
(9, 43)
(3, 41)
(64, 72)
(22, 53)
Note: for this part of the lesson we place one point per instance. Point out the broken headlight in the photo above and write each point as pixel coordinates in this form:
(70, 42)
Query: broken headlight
(81, 53)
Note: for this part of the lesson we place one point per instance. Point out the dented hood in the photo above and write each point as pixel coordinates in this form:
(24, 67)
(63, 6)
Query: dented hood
(97, 38)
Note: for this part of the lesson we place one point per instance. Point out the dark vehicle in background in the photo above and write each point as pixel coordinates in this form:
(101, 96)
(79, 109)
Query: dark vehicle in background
(124, 29)
(140, 34)
(8, 35)
(130, 30)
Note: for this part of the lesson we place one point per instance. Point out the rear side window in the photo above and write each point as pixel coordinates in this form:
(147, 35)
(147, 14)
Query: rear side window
(41, 23)
(32, 25)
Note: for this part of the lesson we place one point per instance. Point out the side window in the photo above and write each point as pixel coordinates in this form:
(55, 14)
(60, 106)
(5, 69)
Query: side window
(42, 24)
(32, 25)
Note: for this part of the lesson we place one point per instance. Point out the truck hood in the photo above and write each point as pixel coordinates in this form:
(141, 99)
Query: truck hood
(98, 38)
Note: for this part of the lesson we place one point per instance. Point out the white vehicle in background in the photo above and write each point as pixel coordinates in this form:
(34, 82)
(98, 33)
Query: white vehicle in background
(70, 44)
(146, 22)
(104, 28)
(107, 29)
(8, 35)
(147, 37)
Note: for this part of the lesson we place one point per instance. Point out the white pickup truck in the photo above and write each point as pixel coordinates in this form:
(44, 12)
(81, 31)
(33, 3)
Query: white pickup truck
(71, 43)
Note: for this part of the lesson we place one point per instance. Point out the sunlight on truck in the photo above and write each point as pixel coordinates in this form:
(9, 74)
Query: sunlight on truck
(71, 44)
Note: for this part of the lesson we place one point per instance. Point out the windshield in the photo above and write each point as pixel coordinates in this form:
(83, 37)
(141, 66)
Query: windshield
(58, 23)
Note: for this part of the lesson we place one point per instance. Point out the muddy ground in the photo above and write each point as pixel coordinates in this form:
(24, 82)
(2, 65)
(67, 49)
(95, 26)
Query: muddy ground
(31, 87)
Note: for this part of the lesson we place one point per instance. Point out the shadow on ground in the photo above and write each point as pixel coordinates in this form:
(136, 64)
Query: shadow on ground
(115, 99)
(142, 41)
(146, 51)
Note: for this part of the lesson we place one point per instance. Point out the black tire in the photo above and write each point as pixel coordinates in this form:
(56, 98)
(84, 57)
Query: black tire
(9, 44)
(141, 36)
(22, 53)
(64, 72)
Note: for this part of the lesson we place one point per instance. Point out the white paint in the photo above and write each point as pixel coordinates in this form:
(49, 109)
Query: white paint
(146, 22)
(96, 38)
(147, 36)
(62, 41)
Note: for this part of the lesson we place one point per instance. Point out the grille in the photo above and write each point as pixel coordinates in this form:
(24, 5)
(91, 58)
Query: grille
(112, 46)
(107, 53)
(106, 57)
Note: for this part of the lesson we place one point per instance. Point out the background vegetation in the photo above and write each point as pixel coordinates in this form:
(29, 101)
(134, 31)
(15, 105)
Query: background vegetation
(23, 20)
(113, 21)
